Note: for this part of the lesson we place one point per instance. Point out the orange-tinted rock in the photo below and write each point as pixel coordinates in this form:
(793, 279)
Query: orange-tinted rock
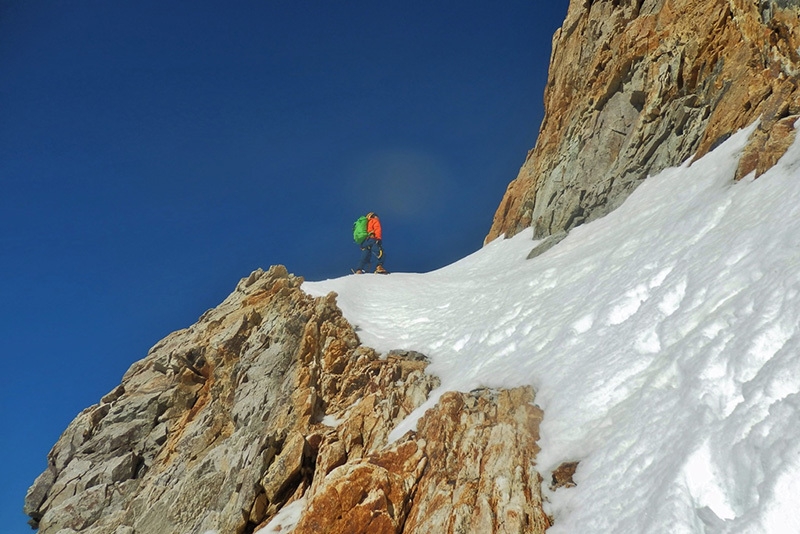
(562, 476)
(481, 474)
(470, 467)
(226, 417)
(638, 86)
(369, 496)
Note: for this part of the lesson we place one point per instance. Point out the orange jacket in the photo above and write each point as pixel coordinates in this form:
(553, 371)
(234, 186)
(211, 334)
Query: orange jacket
(374, 227)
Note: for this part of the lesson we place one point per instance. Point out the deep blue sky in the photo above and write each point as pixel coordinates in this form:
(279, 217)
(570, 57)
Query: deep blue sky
(153, 153)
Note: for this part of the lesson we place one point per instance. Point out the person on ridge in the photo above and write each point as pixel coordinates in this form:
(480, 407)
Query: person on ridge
(373, 244)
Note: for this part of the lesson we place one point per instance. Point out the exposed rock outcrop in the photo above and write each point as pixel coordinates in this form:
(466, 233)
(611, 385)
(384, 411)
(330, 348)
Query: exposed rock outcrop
(270, 399)
(468, 468)
(481, 450)
(636, 86)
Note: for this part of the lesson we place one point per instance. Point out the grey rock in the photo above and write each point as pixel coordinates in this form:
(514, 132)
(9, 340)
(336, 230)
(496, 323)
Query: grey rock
(38, 492)
(546, 244)
(218, 427)
(634, 89)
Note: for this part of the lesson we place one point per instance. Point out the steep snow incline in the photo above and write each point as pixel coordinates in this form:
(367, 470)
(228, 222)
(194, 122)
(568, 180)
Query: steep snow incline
(663, 341)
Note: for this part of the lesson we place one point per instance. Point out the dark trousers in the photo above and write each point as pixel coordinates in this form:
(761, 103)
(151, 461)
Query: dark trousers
(370, 247)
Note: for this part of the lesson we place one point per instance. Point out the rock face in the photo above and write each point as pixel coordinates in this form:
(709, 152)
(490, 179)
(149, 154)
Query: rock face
(269, 400)
(481, 450)
(636, 86)
(468, 468)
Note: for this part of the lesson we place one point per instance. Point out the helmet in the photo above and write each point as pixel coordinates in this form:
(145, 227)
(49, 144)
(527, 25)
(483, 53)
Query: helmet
(371, 215)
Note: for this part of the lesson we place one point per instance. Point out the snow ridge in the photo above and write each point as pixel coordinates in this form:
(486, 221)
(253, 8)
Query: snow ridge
(662, 340)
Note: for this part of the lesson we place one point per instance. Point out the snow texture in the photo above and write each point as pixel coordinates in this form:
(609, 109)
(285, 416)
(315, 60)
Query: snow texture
(662, 341)
(285, 520)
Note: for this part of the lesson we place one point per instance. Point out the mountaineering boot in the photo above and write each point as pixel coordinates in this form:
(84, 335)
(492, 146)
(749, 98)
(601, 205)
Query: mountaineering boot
(357, 271)
(380, 270)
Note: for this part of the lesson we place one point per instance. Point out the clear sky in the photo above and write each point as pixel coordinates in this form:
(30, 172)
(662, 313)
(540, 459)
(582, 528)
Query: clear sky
(154, 153)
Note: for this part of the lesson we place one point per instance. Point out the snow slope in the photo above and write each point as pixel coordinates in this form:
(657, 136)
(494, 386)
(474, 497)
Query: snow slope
(663, 342)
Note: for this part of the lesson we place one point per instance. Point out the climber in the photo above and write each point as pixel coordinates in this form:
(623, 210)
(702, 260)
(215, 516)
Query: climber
(372, 244)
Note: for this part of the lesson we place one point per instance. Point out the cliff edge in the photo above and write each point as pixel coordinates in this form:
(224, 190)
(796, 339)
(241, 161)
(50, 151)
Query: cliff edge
(636, 86)
(271, 401)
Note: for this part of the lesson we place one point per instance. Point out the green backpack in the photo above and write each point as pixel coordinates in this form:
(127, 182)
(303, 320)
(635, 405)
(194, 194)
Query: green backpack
(360, 230)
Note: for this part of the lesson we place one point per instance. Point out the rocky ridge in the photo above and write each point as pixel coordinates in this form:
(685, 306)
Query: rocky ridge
(636, 86)
(270, 399)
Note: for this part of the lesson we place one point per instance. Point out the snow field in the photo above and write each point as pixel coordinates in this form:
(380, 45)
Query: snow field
(662, 341)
